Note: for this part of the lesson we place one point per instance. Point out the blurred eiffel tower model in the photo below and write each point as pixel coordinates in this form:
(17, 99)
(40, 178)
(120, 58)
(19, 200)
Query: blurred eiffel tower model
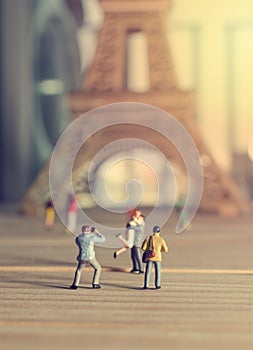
(129, 24)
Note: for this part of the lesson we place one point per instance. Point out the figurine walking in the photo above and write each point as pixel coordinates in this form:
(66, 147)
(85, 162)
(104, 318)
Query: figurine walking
(86, 256)
(181, 213)
(72, 215)
(157, 245)
(49, 215)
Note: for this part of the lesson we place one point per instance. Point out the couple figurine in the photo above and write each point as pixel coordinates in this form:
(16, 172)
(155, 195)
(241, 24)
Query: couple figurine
(153, 246)
(135, 232)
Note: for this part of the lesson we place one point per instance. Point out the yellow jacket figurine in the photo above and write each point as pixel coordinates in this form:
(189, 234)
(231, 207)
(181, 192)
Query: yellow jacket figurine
(154, 246)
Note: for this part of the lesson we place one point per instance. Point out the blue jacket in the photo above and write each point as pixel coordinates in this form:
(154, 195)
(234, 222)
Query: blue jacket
(85, 242)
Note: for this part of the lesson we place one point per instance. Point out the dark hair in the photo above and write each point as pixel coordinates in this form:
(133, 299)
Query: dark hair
(85, 228)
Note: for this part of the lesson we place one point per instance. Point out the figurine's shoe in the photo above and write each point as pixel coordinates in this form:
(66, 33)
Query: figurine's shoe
(158, 287)
(96, 286)
(73, 286)
(145, 287)
(141, 271)
(115, 255)
(135, 271)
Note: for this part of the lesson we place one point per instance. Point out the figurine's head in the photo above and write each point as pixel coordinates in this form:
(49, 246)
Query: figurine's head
(86, 229)
(156, 229)
(136, 213)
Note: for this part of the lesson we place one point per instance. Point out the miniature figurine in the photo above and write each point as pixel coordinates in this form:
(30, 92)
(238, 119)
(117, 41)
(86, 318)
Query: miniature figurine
(153, 247)
(85, 242)
(138, 239)
(135, 236)
(72, 215)
(181, 213)
(49, 215)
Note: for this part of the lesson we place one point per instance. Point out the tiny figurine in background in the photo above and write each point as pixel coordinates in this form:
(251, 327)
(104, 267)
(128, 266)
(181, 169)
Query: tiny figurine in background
(153, 246)
(181, 213)
(72, 214)
(49, 215)
(179, 205)
(85, 242)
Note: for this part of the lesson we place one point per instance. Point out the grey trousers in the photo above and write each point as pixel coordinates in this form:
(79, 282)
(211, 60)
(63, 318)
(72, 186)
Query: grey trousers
(93, 263)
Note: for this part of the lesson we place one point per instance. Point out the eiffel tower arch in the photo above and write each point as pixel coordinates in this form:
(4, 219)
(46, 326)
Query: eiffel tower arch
(112, 78)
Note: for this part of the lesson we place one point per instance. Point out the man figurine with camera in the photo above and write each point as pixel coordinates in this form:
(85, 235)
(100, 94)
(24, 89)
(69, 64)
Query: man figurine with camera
(85, 242)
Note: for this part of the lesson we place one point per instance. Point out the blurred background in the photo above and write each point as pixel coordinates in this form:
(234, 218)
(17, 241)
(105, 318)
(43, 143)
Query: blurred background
(47, 47)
